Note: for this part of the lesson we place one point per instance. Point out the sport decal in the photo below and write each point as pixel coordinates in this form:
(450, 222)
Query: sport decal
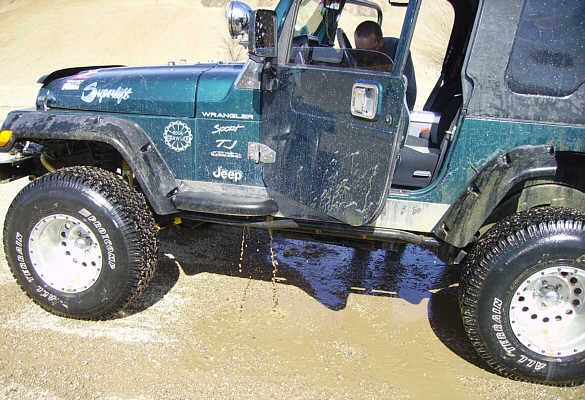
(217, 129)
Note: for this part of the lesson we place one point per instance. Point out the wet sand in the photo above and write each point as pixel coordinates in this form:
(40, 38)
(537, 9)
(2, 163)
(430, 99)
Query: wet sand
(340, 323)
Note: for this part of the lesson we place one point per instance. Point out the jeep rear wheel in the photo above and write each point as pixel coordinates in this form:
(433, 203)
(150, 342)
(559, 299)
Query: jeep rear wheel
(81, 242)
(522, 296)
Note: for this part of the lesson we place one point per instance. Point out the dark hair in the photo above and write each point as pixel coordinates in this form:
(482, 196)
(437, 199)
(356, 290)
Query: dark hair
(368, 28)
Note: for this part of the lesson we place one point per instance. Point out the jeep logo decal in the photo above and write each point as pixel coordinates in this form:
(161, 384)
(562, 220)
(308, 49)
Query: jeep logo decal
(234, 176)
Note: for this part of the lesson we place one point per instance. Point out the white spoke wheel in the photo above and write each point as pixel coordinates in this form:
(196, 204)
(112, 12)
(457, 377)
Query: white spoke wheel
(547, 312)
(81, 242)
(65, 253)
(522, 296)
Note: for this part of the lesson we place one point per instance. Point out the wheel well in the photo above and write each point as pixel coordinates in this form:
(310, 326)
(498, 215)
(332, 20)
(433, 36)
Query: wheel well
(67, 153)
(535, 194)
(73, 138)
(526, 196)
(522, 179)
(564, 190)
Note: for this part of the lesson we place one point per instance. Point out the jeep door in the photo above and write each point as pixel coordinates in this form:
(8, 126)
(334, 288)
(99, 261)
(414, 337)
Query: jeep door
(335, 128)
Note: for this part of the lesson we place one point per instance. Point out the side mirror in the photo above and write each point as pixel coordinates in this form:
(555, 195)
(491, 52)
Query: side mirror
(238, 18)
(262, 36)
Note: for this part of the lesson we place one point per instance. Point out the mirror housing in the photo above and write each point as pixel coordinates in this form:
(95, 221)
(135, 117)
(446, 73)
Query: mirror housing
(262, 34)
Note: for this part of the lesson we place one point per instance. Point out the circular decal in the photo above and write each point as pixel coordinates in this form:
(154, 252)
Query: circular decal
(178, 136)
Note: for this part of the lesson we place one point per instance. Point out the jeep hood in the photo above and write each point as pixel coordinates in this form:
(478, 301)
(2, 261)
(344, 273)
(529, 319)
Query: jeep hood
(163, 91)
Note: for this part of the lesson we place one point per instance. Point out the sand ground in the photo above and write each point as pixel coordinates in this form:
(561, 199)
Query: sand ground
(341, 323)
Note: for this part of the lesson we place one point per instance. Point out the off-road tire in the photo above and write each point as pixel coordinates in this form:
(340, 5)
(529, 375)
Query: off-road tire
(81, 242)
(522, 296)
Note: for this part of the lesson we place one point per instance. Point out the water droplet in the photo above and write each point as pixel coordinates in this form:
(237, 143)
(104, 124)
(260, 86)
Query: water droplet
(242, 249)
(274, 272)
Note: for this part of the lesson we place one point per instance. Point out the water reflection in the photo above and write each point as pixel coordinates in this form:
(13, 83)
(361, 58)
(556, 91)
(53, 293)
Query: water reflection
(328, 273)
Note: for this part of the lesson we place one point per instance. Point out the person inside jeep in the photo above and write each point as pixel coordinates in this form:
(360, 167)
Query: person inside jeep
(368, 36)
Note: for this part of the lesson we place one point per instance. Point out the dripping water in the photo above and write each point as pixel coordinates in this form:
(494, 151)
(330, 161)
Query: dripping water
(274, 272)
(244, 245)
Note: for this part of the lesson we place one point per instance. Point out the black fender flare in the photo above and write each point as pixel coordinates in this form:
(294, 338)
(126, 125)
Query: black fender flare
(489, 187)
(128, 138)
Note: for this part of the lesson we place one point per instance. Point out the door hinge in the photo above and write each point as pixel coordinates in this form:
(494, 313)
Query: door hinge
(260, 153)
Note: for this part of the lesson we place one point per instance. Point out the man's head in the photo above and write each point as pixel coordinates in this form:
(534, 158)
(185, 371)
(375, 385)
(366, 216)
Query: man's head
(368, 36)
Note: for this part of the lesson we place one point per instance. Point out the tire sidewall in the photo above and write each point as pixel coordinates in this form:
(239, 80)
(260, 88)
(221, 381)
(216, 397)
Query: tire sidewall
(99, 215)
(509, 268)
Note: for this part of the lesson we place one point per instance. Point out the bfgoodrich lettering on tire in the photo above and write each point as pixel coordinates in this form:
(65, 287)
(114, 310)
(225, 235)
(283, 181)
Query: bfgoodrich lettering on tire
(522, 296)
(81, 242)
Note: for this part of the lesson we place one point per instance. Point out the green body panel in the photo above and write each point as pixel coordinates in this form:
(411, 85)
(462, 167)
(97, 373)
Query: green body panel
(180, 162)
(478, 141)
(202, 157)
(196, 117)
(217, 94)
(227, 150)
(164, 90)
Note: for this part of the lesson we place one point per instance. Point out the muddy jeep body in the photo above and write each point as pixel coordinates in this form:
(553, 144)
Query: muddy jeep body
(303, 138)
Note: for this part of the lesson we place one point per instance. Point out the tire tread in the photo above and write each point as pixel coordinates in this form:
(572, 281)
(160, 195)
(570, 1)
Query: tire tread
(511, 231)
(138, 226)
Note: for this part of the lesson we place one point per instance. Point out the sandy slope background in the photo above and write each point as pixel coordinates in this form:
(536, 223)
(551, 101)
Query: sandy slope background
(37, 37)
(342, 323)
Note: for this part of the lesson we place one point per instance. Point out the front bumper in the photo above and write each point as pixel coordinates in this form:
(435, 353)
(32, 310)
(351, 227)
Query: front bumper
(19, 167)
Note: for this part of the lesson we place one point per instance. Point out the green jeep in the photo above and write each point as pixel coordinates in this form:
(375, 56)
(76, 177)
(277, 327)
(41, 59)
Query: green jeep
(314, 137)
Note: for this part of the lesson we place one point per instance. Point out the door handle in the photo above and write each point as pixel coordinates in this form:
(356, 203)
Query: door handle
(364, 100)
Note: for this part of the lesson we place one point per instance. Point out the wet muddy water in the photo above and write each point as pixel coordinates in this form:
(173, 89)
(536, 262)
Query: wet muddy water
(226, 321)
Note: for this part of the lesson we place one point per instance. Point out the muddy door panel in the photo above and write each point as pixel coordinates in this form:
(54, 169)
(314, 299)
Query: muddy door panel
(334, 134)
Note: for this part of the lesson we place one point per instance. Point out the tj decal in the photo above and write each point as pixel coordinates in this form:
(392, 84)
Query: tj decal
(178, 136)
(226, 144)
(92, 92)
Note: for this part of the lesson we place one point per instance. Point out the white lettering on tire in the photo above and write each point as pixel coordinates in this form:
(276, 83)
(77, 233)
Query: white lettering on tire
(103, 234)
(505, 343)
(20, 258)
(499, 329)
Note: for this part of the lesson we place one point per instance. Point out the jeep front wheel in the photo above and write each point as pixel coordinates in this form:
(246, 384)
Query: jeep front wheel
(522, 296)
(81, 242)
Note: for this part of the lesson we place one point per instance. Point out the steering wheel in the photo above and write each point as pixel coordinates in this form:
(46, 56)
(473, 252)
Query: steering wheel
(344, 44)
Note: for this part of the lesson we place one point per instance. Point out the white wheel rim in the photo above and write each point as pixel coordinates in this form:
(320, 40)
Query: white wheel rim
(547, 312)
(65, 253)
